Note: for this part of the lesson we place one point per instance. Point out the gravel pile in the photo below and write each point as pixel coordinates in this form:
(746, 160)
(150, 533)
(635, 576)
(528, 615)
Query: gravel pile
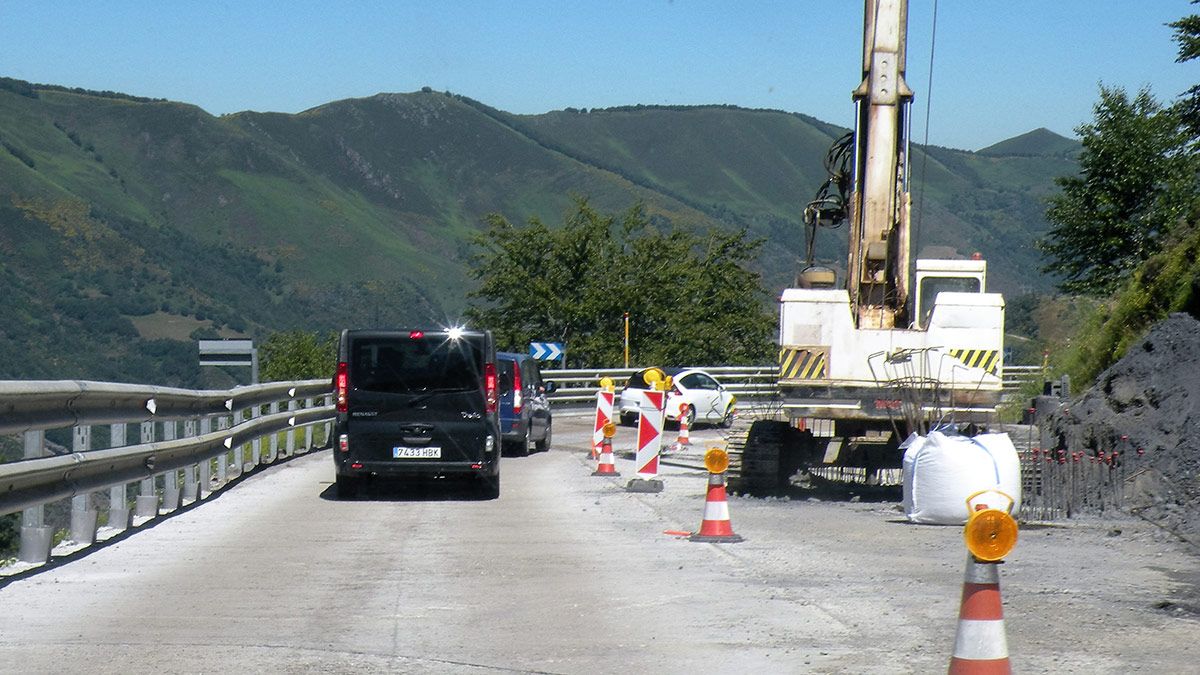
(1146, 408)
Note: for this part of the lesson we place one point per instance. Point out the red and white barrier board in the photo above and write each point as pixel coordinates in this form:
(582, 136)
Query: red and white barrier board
(649, 433)
(604, 414)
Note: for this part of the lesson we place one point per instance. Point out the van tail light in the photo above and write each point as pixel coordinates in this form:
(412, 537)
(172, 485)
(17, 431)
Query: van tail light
(517, 402)
(342, 386)
(344, 443)
(489, 387)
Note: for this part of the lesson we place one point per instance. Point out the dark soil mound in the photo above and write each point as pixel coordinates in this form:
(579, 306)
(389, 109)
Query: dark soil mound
(1144, 409)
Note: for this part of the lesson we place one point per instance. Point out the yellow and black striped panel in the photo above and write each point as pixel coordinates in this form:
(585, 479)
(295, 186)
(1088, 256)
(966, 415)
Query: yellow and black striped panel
(802, 364)
(988, 359)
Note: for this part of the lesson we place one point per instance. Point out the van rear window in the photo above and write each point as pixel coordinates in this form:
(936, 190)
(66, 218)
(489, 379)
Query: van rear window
(506, 374)
(405, 365)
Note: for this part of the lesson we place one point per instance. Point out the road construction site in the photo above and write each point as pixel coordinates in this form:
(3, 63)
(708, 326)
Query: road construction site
(570, 573)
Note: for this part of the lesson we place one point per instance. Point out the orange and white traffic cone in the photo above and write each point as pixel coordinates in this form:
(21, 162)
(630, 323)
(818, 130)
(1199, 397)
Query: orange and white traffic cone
(683, 441)
(715, 527)
(980, 647)
(606, 466)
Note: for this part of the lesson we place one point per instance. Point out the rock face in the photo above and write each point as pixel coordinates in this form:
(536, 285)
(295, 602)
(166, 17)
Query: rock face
(1144, 408)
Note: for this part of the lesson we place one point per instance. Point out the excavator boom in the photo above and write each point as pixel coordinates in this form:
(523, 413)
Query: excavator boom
(877, 277)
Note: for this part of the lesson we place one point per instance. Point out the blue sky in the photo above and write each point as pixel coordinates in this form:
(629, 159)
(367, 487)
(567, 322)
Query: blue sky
(1000, 68)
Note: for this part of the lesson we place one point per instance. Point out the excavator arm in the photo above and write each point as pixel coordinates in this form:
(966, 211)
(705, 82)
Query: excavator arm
(877, 270)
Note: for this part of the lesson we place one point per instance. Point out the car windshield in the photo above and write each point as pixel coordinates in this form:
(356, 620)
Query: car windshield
(418, 365)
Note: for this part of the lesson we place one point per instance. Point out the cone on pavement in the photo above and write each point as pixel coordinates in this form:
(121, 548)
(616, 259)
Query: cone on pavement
(715, 526)
(606, 466)
(980, 647)
(683, 441)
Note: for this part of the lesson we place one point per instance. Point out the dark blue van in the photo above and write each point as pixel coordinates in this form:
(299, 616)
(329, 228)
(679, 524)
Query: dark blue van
(416, 403)
(524, 411)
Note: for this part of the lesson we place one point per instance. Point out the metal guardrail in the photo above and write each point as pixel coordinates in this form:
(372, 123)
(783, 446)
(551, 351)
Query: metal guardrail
(182, 466)
(30, 405)
(1015, 377)
(579, 386)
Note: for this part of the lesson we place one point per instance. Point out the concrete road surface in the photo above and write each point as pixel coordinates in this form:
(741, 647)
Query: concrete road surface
(569, 573)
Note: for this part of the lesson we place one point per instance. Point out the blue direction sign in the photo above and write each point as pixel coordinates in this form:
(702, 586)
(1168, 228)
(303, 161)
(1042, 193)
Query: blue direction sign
(546, 351)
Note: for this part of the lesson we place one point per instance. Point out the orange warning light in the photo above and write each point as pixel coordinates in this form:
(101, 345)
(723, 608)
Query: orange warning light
(990, 534)
(716, 460)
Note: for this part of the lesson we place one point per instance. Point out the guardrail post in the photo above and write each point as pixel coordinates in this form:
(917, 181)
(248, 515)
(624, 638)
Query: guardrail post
(36, 536)
(308, 430)
(191, 486)
(256, 444)
(328, 400)
(223, 458)
(119, 513)
(147, 501)
(83, 511)
(206, 466)
(291, 434)
(171, 495)
(273, 443)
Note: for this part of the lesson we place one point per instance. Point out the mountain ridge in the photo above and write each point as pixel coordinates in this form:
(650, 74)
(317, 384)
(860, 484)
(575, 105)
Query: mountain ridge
(361, 211)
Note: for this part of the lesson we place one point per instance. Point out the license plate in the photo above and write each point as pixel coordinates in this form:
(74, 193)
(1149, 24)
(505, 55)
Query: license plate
(405, 452)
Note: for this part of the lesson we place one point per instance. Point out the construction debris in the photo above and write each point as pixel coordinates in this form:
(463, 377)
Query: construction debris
(1142, 417)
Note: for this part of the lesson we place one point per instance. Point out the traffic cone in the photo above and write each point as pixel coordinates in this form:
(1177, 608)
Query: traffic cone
(683, 441)
(979, 645)
(606, 467)
(715, 527)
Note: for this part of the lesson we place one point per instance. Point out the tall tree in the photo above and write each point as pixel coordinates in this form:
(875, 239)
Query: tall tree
(1137, 179)
(691, 298)
(1187, 37)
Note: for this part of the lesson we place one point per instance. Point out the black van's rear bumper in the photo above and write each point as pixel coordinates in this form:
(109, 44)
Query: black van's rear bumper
(401, 468)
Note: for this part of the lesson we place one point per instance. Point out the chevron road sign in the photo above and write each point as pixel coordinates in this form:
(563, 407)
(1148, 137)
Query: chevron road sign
(546, 351)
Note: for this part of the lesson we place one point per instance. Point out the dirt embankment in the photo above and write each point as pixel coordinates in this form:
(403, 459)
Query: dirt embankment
(1146, 409)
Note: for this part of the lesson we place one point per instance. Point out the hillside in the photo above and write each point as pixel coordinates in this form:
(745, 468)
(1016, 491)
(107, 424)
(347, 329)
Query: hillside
(129, 227)
(760, 168)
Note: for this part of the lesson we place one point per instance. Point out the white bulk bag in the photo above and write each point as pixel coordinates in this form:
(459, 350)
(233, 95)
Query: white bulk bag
(941, 471)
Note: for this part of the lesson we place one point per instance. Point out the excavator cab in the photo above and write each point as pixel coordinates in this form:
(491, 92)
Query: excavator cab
(937, 276)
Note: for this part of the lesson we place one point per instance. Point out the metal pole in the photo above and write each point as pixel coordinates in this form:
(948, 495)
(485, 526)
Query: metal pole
(256, 444)
(119, 513)
(626, 339)
(223, 458)
(171, 494)
(308, 430)
(36, 536)
(83, 511)
(206, 466)
(291, 434)
(191, 486)
(274, 442)
(147, 501)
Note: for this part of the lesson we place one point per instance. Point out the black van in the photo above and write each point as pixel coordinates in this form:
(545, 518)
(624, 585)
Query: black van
(416, 402)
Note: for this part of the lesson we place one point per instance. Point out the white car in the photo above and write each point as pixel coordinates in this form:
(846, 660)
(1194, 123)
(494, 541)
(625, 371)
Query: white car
(706, 399)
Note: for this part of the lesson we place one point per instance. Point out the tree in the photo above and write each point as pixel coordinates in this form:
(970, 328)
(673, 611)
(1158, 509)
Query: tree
(690, 296)
(298, 355)
(1187, 36)
(1137, 179)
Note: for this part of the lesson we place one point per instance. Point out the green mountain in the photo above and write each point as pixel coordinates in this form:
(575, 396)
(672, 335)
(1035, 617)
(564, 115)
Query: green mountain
(129, 226)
